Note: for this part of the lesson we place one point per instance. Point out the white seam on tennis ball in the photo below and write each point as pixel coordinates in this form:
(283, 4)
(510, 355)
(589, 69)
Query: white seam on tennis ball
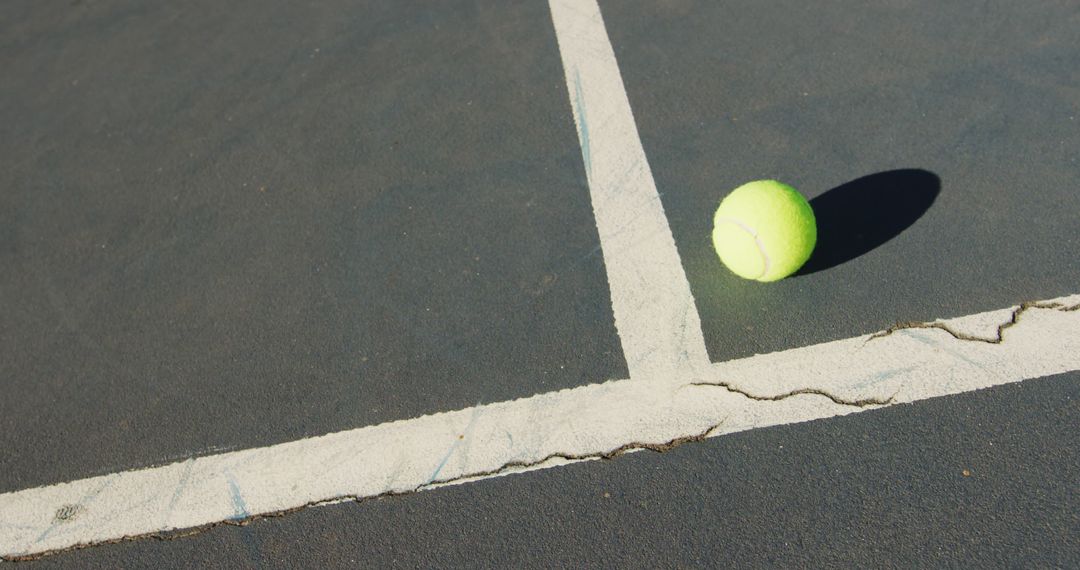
(757, 240)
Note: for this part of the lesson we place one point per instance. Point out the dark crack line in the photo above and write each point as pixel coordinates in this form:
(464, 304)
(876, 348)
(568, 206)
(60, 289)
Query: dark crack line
(998, 338)
(999, 335)
(863, 403)
(358, 499)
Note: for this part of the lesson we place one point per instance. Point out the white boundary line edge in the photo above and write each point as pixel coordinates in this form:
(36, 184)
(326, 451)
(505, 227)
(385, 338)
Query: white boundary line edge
(655, 314)
(661, 336)
(421, 453)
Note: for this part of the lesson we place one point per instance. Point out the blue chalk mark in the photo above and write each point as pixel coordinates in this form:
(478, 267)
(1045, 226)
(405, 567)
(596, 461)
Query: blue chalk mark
(180, 487)
(83, 502)
(242, 512)
(442, 463)
(927, 340)
(18, 526)
(239, 506)
(883, 376)
(583, 124)
(457, 442)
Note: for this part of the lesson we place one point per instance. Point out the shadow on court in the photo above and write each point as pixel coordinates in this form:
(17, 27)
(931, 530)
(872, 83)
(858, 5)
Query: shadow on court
(856, 217)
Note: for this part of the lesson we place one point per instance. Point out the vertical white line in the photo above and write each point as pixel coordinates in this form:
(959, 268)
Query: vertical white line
(655, 314)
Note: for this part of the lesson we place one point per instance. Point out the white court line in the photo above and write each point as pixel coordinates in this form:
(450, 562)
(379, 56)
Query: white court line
(655, 314)
(553, 428)
(400, 457)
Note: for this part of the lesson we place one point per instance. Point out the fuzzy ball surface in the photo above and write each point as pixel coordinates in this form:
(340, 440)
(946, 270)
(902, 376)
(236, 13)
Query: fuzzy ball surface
(764, 230)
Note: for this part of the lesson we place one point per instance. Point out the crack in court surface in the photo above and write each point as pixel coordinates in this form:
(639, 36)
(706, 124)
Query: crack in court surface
(999, 335)
(859, 403)
(659, 331)
(1051, 338)
(361, 499)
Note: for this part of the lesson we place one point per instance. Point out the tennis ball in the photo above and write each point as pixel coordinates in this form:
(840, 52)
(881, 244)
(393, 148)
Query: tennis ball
(764, 230)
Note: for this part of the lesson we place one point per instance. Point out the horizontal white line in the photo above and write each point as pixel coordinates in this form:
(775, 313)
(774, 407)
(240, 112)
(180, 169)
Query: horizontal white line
(404, 456)
(683, 397)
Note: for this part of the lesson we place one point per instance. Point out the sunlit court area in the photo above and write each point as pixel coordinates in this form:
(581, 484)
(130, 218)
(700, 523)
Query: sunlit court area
(539, 284)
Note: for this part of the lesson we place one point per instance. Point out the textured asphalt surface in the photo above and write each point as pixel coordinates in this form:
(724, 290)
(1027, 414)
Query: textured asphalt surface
(883, 489)
(232, 225)
(975, 103)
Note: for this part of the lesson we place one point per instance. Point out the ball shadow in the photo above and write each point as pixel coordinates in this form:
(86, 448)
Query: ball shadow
(858, 216)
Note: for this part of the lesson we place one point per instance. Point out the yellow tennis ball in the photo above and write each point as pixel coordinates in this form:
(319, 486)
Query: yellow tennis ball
(764, 230)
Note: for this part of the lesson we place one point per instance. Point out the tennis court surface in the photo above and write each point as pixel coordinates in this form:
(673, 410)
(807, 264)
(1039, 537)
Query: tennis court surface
(431, 285)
